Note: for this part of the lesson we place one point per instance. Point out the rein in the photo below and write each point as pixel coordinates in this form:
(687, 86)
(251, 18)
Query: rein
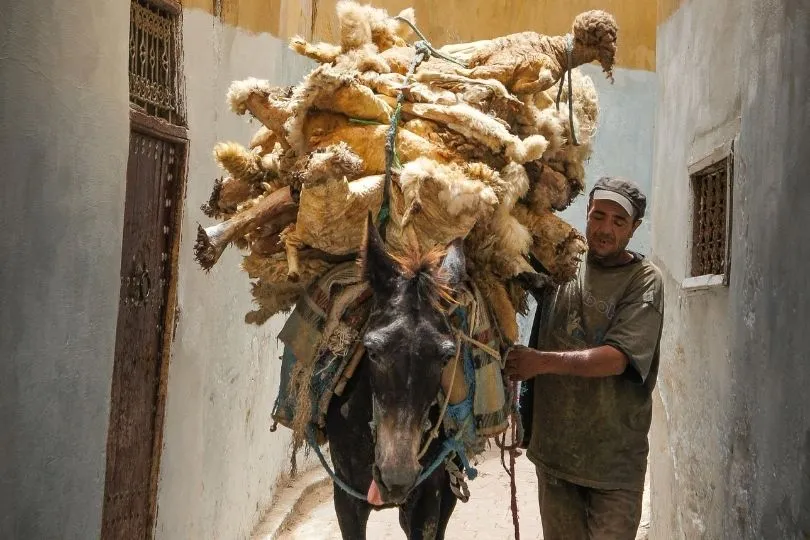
(435, 431)
(451, 445)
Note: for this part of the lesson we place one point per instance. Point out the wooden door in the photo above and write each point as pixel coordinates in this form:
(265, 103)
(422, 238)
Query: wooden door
(155, 174)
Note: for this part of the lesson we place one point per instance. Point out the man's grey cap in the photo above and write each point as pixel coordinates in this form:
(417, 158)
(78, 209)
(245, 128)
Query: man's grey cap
(627, 188)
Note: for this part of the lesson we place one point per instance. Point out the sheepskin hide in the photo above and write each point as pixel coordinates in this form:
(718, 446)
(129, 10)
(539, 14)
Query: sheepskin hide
(482, 152)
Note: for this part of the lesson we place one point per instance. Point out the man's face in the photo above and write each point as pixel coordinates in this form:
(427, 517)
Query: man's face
(609, 229)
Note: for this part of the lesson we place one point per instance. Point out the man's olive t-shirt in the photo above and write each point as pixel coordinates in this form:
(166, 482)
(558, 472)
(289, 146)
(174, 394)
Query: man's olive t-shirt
(593, 431)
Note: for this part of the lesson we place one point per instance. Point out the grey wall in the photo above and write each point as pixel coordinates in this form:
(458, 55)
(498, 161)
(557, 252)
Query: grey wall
(63, 145)
(220, 463)
(731, 436)
(623, 146)
(769, 444)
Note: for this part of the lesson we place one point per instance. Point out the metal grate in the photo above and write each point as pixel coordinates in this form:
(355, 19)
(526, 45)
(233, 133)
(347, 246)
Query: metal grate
(710, 224)
(155, 60)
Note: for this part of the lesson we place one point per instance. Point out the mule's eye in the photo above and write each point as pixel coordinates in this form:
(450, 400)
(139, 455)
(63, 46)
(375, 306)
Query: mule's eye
(448, 352)
(373, 356)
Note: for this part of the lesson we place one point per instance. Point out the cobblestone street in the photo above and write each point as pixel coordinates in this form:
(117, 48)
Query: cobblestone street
(486, 515)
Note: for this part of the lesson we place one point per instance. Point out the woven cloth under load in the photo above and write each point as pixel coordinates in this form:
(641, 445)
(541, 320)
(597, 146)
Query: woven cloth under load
(487, 400)
(321, 331)
(339, 301)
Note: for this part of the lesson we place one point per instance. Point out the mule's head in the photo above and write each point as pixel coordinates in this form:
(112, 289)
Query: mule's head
(408, 343)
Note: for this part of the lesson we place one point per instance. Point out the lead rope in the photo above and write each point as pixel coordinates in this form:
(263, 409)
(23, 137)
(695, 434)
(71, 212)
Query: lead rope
(517, 436)
(435, 431)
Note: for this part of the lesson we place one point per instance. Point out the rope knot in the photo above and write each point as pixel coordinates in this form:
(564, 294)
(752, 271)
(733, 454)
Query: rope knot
(422, 47)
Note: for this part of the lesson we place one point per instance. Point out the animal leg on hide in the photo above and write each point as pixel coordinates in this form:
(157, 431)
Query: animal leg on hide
(534, 83)
(272, 117)
(355, 101)
(227, 195)
(455, 81)
(320, 52)
(263, 138)
(291, 245)
(212, 241)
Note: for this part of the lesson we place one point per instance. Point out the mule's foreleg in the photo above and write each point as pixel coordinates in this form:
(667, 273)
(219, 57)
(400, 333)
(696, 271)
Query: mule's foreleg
(448, 504)
(352, 515)
(352, 449)
(426, 513)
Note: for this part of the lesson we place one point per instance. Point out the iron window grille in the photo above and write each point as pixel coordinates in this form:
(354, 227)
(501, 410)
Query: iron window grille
(155, 60)
(711, 181)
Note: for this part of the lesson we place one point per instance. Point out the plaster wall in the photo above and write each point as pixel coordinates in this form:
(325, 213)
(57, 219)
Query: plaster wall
(64, 131)
(220, 462)
(698, 110)
(731, 436)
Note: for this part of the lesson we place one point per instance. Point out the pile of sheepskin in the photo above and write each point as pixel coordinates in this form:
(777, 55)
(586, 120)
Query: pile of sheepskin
(483, 152)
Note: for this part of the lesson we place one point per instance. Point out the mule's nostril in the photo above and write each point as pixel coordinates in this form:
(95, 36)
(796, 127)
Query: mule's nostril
(398, 481)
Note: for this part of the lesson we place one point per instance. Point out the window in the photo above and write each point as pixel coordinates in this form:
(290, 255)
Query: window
(711, 182)
(155, 60)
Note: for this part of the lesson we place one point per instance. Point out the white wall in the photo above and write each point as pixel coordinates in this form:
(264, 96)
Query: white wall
(699, 106)
(220, 463)
(623, 145)
(64, 132)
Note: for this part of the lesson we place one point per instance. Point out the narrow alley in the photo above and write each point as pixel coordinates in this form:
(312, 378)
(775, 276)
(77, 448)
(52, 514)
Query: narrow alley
(341, 217)
(304, 508)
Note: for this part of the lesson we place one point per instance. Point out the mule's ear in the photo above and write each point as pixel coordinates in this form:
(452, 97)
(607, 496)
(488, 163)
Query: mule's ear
(454, 265)
(377, 266)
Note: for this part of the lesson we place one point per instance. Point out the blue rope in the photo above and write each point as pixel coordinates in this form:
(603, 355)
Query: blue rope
(340, 483)
(450, 445)
(461, 412)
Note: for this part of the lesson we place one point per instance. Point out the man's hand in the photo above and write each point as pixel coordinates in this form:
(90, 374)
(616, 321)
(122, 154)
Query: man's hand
(523, 363)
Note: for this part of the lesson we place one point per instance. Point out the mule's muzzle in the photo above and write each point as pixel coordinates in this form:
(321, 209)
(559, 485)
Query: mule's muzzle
(395, 483)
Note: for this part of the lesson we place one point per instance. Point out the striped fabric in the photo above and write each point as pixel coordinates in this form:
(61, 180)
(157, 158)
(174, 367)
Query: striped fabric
(338, 304)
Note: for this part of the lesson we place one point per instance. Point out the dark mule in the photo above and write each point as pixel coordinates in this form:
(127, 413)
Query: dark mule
(408, 342)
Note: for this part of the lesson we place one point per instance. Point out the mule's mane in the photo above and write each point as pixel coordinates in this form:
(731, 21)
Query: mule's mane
(424, 270)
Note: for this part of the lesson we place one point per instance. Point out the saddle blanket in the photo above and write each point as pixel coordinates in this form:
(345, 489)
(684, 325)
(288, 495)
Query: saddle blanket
(325, 329)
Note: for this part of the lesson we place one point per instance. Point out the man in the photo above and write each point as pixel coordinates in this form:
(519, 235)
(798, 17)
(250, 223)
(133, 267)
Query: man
(598, 339)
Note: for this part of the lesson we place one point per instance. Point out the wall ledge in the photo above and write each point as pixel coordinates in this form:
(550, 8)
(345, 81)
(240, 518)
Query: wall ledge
(703, 283)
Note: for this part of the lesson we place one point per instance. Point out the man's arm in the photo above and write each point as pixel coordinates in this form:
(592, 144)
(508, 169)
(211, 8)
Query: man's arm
(524, 363)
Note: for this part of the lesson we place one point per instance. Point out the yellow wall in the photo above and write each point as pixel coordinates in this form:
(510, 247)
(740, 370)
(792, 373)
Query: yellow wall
(277, 17)
(666, 8)
(454, 20)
